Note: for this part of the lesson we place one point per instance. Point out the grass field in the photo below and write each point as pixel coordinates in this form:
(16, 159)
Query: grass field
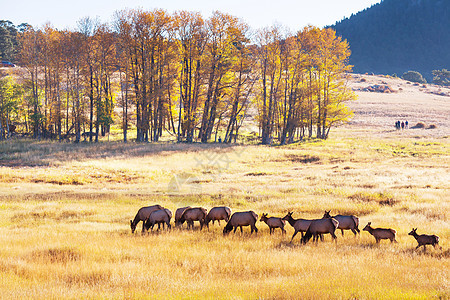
(65, 211)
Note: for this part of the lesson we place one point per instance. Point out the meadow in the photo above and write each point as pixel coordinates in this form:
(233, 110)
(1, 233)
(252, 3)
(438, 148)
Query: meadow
(65, 211)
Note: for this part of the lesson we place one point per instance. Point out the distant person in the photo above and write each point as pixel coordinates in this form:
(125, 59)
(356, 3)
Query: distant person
(219, 140)
(406, 124)
(403, 125)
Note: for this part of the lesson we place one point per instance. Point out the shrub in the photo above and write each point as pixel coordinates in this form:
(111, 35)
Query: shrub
(414, 76)
(419, 125)
(441, 77)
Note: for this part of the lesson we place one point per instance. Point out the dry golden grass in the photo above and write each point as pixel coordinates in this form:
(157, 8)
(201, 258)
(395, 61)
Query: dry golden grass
(65, 211)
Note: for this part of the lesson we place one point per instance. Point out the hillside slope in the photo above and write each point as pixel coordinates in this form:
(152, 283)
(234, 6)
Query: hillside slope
(383, 100)
(396, 36)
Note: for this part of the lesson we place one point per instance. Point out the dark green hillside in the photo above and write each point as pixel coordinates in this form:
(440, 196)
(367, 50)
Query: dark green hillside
(396, 36)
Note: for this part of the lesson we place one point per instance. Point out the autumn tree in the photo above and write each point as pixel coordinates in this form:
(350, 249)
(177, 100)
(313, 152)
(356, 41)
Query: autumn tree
(242, 80)
(73, 54)
(31, 42)
(269, 66)
(191, 40)
(329, 68)
(87, 26)
(226, 33)
(10, 93)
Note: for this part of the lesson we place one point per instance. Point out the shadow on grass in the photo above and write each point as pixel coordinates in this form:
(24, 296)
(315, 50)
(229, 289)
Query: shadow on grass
(31, 153)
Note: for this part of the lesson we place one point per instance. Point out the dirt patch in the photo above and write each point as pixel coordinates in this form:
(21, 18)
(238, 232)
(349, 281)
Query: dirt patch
(380, 198)
(55, 255)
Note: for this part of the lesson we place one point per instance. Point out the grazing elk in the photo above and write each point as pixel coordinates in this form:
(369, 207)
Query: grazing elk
(239, 219)
(273, 223)
(161, 216)
(381, 233)
(345, 222)
(217, 214)
(319, 227)
(300, 225)
(142, 215)
(178, 213)
(193, 214)
(425, 239)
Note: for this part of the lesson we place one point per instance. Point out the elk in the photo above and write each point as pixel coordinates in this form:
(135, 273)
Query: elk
(239, 219)
(425, 239)
(142, 215)
(319, 227)
(178, 213)
(273, 223)
(217, 214)
(300, 225)
(161, 216)
(381, 233)
(193, 214)
(345, 222)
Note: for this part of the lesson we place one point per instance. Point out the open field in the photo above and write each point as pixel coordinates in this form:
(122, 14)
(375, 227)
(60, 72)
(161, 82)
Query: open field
(65, 211)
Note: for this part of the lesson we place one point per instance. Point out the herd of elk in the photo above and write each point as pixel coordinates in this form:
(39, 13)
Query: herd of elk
(315, 228)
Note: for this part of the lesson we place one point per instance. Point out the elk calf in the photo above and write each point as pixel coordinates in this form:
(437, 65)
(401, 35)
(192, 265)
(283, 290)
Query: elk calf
(273, 223)
(425, 239)
(381, 233)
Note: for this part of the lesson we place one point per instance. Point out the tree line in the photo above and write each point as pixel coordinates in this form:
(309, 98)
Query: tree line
(178, 74)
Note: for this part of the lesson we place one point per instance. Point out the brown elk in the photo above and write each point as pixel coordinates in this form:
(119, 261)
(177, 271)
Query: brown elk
(239, 219)
(142, 215)
(178, 213)
(193, 214)
(319, 227)
(381, 233)
(345, 222)
(300, 225)
(425, 239)
(161, 216)
(217, 214)
(273, 223)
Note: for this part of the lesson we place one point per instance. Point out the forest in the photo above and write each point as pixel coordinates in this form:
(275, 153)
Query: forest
(396, 36)
(178, 75)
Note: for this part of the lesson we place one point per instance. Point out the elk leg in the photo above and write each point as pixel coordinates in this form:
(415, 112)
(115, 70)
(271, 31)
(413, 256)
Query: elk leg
(294, 235)
(333, 236)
